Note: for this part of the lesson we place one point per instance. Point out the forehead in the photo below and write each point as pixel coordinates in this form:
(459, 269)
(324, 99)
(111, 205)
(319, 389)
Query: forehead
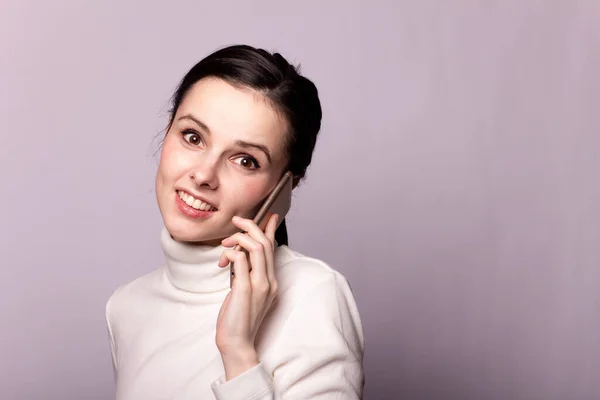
(234, 113)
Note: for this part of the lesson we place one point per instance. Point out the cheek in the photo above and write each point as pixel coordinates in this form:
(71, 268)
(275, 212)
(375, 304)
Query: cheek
(248, 198)
(172, 163)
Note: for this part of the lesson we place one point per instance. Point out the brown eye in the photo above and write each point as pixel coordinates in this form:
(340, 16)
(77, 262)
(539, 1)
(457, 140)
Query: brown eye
(248, 162)
(192, 138)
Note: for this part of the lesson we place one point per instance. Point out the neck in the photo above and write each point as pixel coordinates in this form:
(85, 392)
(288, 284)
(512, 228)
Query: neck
(192, 266)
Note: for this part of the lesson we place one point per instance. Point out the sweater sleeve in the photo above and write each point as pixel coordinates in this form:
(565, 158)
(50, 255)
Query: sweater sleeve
(113, 350)
(319, 351)
(254, 384)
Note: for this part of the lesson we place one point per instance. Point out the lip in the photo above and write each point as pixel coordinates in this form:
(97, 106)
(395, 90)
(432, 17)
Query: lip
(189, 211)
(197, 196)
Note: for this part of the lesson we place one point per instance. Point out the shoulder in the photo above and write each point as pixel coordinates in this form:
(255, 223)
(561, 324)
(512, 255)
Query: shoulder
(312, 293)
(129, 297)
(304, 273)
(308, 282)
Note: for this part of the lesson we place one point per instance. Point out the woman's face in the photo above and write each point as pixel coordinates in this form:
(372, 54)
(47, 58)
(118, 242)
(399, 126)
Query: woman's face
(225, 149)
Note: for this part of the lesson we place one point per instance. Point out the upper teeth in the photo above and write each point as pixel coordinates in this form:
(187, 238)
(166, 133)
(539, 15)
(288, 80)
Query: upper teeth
(193, 202)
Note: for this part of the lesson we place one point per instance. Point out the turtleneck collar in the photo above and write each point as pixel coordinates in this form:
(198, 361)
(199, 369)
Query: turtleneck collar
(193, 267)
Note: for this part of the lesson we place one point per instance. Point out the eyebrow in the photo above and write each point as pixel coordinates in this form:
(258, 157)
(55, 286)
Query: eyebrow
(261, 147)
(241, 143)
(195, 120)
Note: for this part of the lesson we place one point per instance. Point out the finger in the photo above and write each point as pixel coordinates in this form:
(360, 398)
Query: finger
(258, 260)
(241, 283)
(271, 227)
(262, 275)
(251, 229)
(245, 241)
(270, 234)
(227, 238)
(248, 226)
(231, 240)
(223, 260)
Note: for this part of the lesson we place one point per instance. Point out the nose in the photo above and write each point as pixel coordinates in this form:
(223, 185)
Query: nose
(205, 175)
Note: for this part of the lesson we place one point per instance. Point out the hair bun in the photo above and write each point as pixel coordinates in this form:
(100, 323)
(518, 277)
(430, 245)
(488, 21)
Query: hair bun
(284, 64)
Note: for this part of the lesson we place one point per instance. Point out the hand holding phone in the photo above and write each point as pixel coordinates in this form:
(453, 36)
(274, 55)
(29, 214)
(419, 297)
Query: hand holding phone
(251, 295)
(278, 202)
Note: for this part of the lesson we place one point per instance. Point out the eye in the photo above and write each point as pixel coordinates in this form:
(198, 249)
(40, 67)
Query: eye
(192, 137)
(248, 162)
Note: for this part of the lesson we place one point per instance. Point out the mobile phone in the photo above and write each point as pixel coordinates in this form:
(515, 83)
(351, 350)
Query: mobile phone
(278, 202)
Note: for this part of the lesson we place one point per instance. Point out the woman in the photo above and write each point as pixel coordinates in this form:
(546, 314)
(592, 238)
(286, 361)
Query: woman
(288, 327)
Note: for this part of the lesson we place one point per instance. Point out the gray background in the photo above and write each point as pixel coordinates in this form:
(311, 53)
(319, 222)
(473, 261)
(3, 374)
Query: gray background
(455, 183)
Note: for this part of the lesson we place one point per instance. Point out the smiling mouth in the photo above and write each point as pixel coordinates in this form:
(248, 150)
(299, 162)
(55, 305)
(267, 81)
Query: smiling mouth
(194, 202)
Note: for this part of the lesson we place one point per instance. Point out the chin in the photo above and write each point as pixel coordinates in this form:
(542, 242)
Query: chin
(185, 230)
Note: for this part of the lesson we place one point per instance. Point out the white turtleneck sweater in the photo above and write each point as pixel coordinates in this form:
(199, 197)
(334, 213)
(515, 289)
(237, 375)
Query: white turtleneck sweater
(162, 330)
